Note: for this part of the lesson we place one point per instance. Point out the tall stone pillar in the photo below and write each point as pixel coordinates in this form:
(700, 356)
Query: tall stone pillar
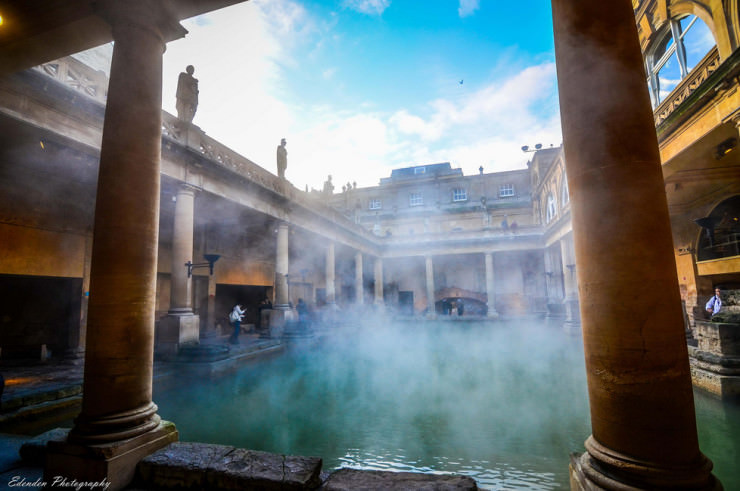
(359, 287)
(490, 286)
(431, 309)
(331, 296)
(118, 424)
(281, 268)
(181, 325)
(572, 314)
(642, 408)
(182, 251)
(281, 311)
(378, 273)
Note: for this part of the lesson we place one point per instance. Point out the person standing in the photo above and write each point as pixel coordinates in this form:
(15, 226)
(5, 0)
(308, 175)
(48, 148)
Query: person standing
(714, 305)
(235, 317)
(282, 159)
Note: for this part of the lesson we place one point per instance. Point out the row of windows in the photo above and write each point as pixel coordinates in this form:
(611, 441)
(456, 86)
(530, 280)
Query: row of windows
(458, 195)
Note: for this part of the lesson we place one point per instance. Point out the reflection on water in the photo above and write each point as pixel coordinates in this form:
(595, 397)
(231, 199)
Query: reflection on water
(718, 425)
(502, 403)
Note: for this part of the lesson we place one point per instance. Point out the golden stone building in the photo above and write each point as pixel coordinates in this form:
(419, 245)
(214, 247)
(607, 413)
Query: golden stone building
(642, 412)
(692, 63)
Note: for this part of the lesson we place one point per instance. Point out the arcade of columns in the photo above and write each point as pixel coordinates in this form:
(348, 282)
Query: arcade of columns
(642, 413)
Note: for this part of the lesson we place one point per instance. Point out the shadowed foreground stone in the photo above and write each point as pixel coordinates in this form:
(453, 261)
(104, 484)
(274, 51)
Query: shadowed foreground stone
(358, 480)
(186, 465)
(33, 451)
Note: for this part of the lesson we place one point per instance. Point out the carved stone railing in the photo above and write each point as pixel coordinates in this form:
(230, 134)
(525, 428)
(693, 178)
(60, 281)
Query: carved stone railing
(708, 65)
(77, 75)
(192, 137)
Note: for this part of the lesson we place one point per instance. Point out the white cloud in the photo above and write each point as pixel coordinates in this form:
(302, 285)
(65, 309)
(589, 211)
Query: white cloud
(369, 7)
(241, 55)
(467, 7)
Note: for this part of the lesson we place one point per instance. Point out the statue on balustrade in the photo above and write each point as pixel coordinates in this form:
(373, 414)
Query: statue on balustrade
(282, 159)
(187, 95)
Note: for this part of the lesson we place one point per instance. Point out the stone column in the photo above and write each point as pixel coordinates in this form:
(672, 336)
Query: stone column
(431, 310)
(359, 287)
(642, 408)
(118, 423)
(331, 297)
(281, 268)
(281, 311)
(378, 273)
(181, 325)
(182, 251)
(490, 286)
(572, 315)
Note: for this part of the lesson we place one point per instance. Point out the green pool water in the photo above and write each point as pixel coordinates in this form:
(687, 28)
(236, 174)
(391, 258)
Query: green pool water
(502, 403)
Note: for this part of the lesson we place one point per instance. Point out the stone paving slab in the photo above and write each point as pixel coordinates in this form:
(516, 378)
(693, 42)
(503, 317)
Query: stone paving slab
(186, 465)
(365, 480)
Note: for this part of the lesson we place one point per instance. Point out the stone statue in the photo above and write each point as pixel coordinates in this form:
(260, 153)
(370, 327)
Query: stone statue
(328, 187)
(282, 159)
(187, 95)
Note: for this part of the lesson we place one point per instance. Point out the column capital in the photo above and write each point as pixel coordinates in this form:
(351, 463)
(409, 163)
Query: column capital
(187, 188)
(156, 16)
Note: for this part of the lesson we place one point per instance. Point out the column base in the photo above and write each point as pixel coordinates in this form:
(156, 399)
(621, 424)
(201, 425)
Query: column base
(113, 463)
(174, 330)
(618, 472)
(279, 316)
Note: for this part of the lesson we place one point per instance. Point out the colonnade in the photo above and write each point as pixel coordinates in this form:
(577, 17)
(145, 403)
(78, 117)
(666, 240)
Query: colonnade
(642, 412)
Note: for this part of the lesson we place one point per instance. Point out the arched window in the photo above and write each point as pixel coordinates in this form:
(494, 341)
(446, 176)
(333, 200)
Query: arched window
(720, 235)
(679, 48)
(564, 194)
(552, 208)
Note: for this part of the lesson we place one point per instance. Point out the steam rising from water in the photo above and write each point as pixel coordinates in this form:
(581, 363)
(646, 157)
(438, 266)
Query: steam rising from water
(504, 403)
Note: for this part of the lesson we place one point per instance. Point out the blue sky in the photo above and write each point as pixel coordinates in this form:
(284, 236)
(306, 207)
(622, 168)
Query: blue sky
(359, 87)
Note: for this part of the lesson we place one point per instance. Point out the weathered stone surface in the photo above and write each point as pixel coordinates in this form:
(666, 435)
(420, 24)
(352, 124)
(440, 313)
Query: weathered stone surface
(206, 466)
(718, 338)
(249, 469)
(181, 465)
(359, 480)
(33, 451)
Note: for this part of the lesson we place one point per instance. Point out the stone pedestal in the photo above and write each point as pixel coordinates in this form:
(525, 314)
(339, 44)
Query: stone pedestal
(715, 362)
(278, 318)
(175, 330)
(113, 463)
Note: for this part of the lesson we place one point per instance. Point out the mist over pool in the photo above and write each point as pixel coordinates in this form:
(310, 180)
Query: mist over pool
(504, 403)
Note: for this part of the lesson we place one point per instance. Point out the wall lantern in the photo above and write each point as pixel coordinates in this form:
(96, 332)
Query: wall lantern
(211, 258)
(725, 147)
(707, 223)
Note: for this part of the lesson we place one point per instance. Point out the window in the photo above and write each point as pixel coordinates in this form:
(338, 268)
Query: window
(420, 170)
(416, 199)
(459, 194)
(564, 194)
(683, 44)
(552, 208)
(505, 190)
(374, 204)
